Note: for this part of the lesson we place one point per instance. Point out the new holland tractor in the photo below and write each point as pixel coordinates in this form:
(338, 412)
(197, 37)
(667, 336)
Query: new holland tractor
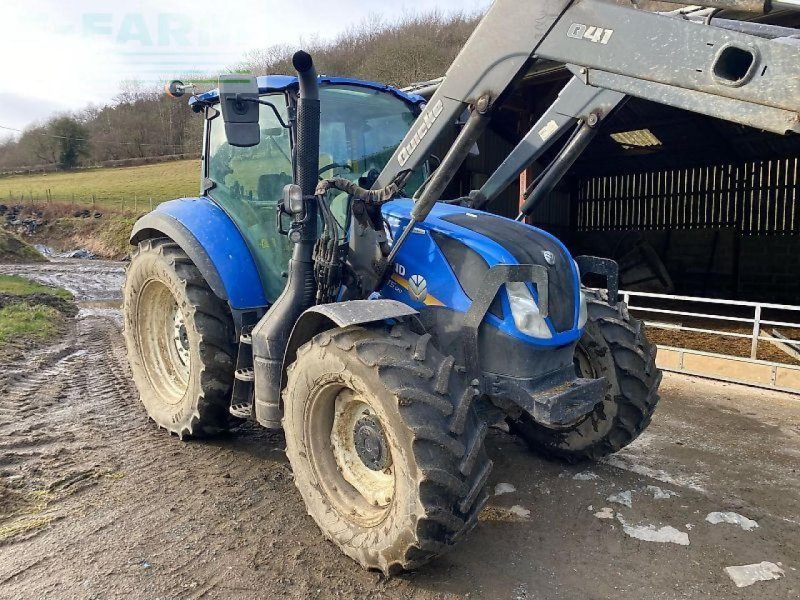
(321, 285)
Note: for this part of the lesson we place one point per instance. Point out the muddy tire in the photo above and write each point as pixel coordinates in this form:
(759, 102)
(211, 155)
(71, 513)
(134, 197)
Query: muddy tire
(613, 346)
(178, 335)
(385, 445)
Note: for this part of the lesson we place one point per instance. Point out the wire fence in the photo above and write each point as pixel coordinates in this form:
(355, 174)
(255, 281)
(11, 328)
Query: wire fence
(132, 203)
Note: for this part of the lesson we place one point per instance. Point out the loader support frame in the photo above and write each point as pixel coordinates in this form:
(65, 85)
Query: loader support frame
(614, 52)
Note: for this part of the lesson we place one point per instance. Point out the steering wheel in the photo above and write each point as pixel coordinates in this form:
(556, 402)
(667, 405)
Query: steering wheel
(334, 166)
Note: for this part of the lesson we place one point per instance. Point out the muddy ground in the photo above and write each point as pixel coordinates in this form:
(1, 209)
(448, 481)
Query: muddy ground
(98, 503)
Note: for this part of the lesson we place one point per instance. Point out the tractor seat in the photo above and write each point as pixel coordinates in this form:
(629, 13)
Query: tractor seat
(270, 186)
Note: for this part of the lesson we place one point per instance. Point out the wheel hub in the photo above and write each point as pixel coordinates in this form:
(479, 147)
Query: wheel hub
(371, 444)
(180, 337)
(362, 450)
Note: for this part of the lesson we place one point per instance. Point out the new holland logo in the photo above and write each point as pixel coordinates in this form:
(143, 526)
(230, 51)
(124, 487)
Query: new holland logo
(549, 257)
(418, 288)
(428, 119)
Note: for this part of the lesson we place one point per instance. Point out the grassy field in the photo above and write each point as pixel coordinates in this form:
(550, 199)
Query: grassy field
(161, 181)
(30, 312)
(13, 285)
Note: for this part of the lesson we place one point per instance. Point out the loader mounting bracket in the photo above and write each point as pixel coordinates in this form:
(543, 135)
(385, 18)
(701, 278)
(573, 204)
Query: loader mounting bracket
(605, 267)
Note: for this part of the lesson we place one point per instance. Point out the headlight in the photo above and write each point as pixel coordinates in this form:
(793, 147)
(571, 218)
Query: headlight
(526, 313)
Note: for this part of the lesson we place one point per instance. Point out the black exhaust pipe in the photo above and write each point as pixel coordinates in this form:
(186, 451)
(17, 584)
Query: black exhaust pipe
(271, 335)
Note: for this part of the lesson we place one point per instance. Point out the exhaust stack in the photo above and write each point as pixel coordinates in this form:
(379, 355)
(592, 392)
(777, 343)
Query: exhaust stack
(271, 335)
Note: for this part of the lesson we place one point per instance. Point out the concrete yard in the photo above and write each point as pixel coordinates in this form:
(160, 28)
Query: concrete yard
(98, 503)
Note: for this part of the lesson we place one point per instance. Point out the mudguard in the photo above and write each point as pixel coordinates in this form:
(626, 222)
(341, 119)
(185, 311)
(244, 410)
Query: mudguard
(329, 316)
(213, 243)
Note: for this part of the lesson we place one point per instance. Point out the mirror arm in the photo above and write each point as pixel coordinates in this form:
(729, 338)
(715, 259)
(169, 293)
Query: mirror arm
(264, 103)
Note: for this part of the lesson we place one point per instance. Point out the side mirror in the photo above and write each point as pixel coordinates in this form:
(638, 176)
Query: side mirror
(238, 98)
(176, 88)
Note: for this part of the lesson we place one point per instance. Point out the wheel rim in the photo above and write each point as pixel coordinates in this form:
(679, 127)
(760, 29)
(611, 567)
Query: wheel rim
(350, 453)
(583, 363)
(180, 337)
(164, 342)
(361, 449)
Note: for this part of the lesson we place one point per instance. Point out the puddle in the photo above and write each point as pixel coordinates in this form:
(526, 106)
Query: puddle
(504, 488)
(650, 533)
(86, 280)
(627, 464)
(659, 494)
(623, 498)
(731, 518)
(746, 575)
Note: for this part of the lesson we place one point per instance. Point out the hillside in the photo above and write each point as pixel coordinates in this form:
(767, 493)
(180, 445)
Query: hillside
(141, 123)
(14, 250)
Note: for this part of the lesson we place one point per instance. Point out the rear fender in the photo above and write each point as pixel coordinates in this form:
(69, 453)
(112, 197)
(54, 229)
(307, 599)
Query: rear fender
(214, 244)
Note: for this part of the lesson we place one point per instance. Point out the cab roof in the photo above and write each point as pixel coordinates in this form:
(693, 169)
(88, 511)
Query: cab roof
(279, 83)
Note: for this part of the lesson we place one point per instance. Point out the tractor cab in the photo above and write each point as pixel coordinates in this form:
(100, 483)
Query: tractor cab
(362, 124)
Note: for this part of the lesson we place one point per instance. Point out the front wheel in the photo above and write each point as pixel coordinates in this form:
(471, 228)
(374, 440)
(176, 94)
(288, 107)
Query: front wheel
(179, 339)
(613, 346)
(385, 445)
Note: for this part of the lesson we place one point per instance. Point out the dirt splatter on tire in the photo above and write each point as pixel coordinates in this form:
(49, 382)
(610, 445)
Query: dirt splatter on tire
(179, 339)
(418, 406)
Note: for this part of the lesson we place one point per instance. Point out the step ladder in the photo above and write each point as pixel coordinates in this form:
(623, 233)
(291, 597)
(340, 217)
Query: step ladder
(243, 383)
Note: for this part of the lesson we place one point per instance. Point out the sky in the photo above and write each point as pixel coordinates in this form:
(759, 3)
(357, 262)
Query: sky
(63, 55)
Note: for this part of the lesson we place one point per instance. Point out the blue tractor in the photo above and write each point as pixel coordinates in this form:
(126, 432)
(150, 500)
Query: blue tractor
(321, 285)
(384, 379)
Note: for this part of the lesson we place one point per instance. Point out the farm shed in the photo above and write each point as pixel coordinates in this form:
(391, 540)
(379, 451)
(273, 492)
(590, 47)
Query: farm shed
(688, 204)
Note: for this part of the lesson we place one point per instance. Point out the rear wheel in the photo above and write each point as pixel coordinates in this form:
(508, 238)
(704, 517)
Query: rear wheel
(613, 346)
(385, 445)
(178, 335)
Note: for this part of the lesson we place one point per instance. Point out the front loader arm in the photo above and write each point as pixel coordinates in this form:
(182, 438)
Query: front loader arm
(501, 45)
(726, 74)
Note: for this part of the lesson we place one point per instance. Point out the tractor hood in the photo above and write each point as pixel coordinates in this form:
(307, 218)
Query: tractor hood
(462, 244)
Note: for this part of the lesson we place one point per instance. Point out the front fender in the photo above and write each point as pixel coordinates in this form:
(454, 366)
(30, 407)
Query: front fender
(213, 243)
(329, 316)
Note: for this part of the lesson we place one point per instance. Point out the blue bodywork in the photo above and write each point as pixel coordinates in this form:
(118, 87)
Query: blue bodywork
(420, 255)
(212, 232)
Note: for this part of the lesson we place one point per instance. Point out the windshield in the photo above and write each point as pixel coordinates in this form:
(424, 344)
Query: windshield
(359, 132)
(361, 128)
